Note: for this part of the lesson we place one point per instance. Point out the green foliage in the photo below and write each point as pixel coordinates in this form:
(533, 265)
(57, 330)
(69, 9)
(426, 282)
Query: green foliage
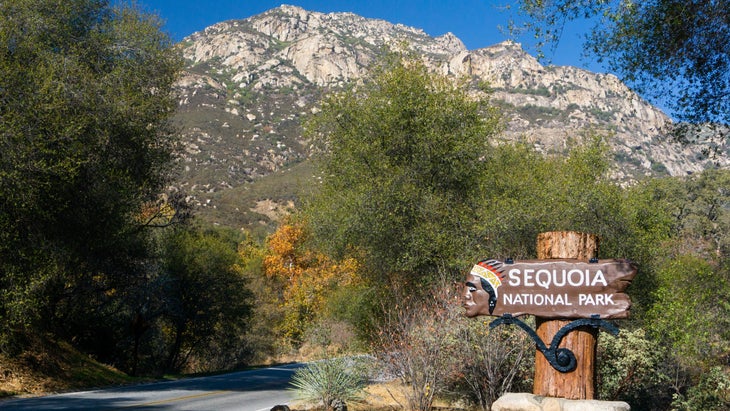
(686, 314)
(680, 298)
(539, 91)
(261, 336)
(674, 51)
(535, 113)
(401, 168)
(659, 168)
(712, 393)
(676, 219)
(355, 305)
(86, 94)
(329, 381)
(87, 150)
(527, 193)
(373, 153)
(630, 369)
(601, 115)
(702, 209)
(208, 304)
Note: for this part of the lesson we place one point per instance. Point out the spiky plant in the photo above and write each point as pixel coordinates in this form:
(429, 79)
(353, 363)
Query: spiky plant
(329, 381)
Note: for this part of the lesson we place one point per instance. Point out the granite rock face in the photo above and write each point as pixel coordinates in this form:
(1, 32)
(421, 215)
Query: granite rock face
(250, 83)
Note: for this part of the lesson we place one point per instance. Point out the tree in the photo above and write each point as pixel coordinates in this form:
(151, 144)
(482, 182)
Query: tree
(711, 393)
(530, 193)
(402, 163)
(678, 50)
(679, 296)
(686, 308)
(208, 304)
(85, 97)
(307, 278)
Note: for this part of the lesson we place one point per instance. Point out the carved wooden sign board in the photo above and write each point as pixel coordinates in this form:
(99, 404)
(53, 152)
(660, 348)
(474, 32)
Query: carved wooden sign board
(549, 288)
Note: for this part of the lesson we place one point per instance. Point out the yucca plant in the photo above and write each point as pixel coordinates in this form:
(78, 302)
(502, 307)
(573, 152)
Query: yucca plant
(331, 382)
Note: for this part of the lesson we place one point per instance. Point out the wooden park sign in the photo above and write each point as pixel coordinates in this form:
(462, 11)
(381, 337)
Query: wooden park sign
(569, 292)
(550, 288)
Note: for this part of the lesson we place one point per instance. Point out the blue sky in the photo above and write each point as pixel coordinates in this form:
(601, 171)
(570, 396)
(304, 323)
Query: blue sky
(478, 23)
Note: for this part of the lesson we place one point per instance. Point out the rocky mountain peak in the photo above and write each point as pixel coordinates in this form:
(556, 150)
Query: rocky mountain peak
(250, 82)
(450, 43)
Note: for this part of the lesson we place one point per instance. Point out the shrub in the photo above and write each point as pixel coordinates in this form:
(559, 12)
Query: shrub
(416, 344)
(630, 368)
(490, 363)
(712, 393)
(329, 382)
(438, 353)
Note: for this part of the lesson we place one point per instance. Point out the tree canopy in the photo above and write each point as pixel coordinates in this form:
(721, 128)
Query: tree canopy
(85, 97)
(402, 169)
(676, 51)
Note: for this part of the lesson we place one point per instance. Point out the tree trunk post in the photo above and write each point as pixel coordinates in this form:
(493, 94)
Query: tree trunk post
(578, 384)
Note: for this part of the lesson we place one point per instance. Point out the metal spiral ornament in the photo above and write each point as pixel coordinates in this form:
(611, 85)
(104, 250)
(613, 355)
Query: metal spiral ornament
(562, 359)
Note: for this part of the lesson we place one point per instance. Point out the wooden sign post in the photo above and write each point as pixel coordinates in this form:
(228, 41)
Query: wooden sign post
(565, 283)
(579, 384)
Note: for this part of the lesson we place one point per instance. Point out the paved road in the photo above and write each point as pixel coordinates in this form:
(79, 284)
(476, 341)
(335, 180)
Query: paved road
(256, 390)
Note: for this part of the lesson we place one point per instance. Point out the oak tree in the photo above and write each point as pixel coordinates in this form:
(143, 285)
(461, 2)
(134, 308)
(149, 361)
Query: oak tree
(676, 51)
(307, 279)
(85, 97)
(402, 165)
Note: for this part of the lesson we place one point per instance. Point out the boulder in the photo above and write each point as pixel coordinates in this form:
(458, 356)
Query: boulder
(531, 402)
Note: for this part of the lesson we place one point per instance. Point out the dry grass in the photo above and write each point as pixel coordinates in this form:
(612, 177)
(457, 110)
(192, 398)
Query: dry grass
(386, 396)
(56, 367)
(47, 366)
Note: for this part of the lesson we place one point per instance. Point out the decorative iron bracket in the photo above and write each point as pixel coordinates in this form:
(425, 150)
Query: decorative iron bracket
(562, 359)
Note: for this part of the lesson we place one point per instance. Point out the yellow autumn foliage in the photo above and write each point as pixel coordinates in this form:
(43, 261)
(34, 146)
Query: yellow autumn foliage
(307, 277)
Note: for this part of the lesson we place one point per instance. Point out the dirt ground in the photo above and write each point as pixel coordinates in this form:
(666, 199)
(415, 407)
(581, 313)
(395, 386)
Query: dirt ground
(386, 396)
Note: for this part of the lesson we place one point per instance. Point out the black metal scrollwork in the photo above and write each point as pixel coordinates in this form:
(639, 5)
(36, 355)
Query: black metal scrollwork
(562, 359)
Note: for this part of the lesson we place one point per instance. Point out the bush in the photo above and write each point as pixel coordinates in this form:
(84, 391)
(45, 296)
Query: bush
(712, 393)
(438, 353)
(330, 382)
(491, 362)
(416, 343)
(630, 369)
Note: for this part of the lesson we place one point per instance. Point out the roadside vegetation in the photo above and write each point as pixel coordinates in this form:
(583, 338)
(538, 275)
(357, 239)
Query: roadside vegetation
(99, 263)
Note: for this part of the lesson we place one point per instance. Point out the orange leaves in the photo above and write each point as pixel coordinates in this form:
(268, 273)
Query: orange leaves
(307, 277)
(285, 239)
(284, 259)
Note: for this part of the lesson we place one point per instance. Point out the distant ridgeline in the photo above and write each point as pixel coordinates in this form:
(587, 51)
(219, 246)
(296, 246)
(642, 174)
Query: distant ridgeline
(249, 84)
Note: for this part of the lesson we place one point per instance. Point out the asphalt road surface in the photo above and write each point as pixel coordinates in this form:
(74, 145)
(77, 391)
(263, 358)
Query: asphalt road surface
(256, 390)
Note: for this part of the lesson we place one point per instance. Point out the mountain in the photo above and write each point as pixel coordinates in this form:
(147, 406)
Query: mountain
(249, 84)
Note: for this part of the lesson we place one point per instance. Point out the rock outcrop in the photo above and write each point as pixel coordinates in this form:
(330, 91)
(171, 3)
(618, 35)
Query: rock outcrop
(250, 82)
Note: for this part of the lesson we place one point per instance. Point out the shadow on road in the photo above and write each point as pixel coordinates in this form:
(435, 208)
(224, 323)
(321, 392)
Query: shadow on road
(166, 395)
